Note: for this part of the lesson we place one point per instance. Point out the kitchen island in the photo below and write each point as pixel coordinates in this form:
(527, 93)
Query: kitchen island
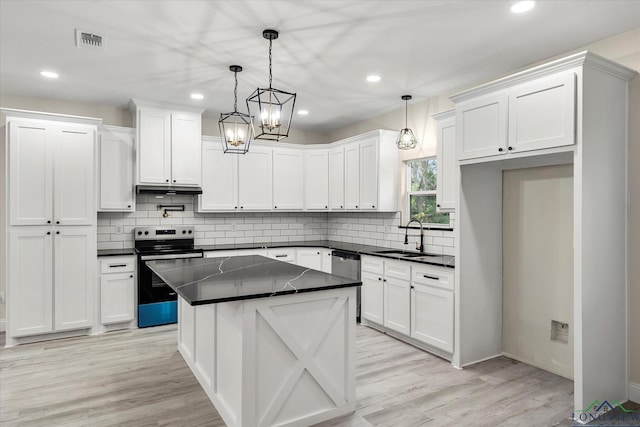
(271, 343)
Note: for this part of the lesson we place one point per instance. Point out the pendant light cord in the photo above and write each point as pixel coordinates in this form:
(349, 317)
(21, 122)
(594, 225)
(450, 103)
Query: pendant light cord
(406, 113)
(235, 92)
(270, 75)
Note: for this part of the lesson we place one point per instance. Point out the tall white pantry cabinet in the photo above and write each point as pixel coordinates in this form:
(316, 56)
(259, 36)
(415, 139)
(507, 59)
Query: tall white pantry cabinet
(48, 223)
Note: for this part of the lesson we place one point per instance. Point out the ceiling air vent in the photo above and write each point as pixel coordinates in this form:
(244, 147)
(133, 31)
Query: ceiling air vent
(89, 40)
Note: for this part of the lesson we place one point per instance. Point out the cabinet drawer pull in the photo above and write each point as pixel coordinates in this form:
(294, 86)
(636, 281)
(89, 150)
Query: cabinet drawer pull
(117, 265)
(426, 276)
(281, 256)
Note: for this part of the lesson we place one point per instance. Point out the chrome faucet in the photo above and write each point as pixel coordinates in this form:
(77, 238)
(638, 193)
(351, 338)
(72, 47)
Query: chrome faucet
(406, 237)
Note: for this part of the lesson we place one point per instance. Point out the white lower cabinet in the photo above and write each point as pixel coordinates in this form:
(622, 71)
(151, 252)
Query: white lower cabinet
(117, 289)
(412, 299)
(282, 254)
(327, 260)
(309, 258)
(51, 278)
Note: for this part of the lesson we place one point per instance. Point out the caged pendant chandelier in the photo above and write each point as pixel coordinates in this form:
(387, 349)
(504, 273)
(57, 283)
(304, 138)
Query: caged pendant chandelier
(274, 106)
(236, 129)
(406, 139)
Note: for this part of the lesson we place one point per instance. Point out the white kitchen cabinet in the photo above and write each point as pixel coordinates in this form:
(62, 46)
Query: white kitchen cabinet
(372, 292)
(309, 258)
(219, 179)
(327, 258)
(288, 179)
(51, 276)
(30, 278)
(535, 115)
(432, 316)
(316, 179)
(447, 163)
(336, 178)
(542, 113)
(168, 143)
(397, 287)
(371, 171)
(235, 252)
(51, 173)
(116, 148)
(282, 254)
(482, 126)
(255, 179)
(352, 176)
(117, 289)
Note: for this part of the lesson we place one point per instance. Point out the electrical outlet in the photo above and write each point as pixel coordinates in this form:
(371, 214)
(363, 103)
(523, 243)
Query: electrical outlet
(1, 297)
(118, 229)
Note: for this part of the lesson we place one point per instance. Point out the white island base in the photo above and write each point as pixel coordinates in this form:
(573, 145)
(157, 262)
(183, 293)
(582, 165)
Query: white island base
(281, 360)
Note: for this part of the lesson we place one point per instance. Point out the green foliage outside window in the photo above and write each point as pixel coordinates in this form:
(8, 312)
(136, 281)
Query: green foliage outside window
(422, 193)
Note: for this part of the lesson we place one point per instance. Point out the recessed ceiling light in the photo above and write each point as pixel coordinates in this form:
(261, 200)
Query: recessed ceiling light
(197, 96)
(49, 74)
(523, 6)
(373, 78)
(303, 112)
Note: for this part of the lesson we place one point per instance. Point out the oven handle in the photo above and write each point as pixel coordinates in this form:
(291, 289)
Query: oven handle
(172, 256)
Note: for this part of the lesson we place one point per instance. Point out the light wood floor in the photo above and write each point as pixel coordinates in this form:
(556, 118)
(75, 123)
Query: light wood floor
(137, 378)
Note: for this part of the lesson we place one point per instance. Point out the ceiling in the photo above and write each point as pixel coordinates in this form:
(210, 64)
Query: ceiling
(165, 50)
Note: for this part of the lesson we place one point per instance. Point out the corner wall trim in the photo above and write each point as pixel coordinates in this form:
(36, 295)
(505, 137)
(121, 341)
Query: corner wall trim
(634, 392)
(3, 325)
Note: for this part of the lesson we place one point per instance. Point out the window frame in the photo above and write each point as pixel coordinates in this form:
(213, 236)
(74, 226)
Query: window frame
(410, 193)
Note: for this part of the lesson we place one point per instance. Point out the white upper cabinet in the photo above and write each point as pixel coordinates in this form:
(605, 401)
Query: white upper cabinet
(336, 178)
(288, 190)
(542, 113)
(51, 174)
(219, 179)
(116, 164)
(169, 142)
(352, 176)
(516, 117)
(369, 175)
(447, 163)
(255, 179)
(482, 126)
(316, 179)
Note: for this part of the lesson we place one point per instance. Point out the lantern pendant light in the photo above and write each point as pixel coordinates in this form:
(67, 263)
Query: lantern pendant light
(236, 129)
(273, 107)
(406, 139)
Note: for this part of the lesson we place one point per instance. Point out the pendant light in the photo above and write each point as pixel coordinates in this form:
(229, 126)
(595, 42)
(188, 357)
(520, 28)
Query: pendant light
(272, 107)
(406, 139)
(236, 128)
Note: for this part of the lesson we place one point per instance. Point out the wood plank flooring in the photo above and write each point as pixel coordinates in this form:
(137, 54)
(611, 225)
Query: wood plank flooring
(137, 378)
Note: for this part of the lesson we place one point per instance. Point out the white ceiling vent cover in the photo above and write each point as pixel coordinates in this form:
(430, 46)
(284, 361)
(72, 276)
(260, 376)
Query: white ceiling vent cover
(85, 39)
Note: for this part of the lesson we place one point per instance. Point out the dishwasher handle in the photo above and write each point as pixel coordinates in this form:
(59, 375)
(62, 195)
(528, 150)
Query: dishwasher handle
(346, 255)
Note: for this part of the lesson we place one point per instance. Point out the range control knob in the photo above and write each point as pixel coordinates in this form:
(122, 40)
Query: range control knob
(190, 231)
(184, 231)
(139, 233)
(146, 233)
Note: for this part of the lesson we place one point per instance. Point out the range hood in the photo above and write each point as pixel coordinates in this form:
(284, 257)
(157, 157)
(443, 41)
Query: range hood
(170, 190)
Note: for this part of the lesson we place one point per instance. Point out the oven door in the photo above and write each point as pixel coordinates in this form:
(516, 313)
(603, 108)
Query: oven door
(157, 302)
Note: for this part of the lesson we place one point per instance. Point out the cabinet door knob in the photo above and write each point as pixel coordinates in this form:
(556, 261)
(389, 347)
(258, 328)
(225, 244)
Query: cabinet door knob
(49, 222)
(356, 206)
(48, 233)
(57, 222)
(384, 280)
(379, 278)
(510, 148)
(57, 232)
(241, 207)
(131, 276)
(235, 207)
(275, 207)
(438, 205)
(318, 253)
(373, 206)
(326, 207)
(340, 206)
(500, 149)
(174, 180)
(128, 206)
(166, 180)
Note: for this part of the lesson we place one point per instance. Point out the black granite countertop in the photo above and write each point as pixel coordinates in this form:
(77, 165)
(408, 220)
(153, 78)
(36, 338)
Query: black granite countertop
(116, 252)
(211, 280)
(439, 260)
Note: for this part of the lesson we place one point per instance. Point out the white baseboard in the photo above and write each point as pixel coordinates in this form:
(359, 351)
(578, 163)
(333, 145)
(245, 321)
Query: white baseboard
(3, 325)
(634, 392)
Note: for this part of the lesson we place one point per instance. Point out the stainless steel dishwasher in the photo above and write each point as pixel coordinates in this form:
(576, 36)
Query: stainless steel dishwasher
(347, 264)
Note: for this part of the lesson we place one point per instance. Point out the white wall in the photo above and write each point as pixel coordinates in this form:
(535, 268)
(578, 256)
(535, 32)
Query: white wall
(537, 265)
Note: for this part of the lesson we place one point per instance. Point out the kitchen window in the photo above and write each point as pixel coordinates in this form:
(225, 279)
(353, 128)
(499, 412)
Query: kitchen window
(421, 194)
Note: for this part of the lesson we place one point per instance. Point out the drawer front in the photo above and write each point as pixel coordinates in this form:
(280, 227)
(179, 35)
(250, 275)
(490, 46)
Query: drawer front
(397, 269)
(234, 252)
(286, 255)
(114, 264)
(440, 277)
(372, 264)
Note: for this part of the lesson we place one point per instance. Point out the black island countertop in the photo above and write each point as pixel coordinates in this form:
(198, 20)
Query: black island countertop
(211, 280)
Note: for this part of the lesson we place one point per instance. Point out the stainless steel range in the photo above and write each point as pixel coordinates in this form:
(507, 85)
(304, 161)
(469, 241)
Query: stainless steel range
(157, 302)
